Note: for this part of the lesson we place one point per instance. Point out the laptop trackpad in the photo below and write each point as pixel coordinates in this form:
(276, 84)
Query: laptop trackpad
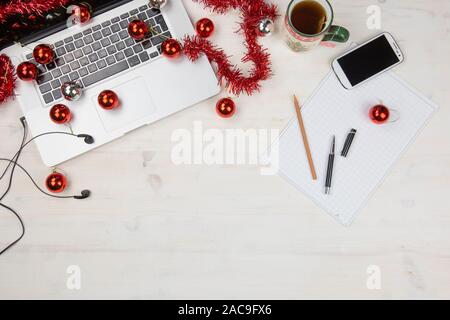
(136, 104)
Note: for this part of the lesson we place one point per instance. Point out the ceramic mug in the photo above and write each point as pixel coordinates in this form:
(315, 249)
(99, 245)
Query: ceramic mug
(299, 41)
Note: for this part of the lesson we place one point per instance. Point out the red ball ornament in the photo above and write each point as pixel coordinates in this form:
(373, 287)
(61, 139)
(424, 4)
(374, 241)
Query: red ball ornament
(43, 54)
(138, 29)
(226, 108)
(108, 100)
(27, 71)
(82, 13)
(60, 114)
(205, 28)
(171, 48)
(379, 114)
(56, 182)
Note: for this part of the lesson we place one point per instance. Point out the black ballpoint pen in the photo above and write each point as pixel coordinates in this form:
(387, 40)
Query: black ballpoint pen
(330, 167)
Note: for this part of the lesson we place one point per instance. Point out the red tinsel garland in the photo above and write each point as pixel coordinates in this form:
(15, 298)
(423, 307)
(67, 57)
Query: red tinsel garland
(253, 11)
(37, 7)
(7, 78)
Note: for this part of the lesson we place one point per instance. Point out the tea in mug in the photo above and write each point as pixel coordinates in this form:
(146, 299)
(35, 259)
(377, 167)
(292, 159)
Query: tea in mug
(309, 17)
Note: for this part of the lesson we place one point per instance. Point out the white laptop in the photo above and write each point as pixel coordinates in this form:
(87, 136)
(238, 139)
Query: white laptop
(102, 55)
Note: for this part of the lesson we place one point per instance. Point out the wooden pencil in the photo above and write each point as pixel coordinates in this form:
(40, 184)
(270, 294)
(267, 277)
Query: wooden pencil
(305, 138)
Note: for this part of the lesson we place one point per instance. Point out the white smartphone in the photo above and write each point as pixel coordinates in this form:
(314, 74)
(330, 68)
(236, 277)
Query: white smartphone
(367, 61)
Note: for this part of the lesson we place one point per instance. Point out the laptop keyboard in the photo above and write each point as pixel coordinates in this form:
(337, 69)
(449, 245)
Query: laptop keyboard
(100, 52)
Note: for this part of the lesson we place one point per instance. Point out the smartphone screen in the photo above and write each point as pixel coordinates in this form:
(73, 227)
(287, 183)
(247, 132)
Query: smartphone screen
(368, 60)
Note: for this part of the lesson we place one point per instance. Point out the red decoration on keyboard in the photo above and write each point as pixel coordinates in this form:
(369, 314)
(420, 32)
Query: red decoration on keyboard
(60, 114)
(253, 12)
(171, 48)
(56, 182)
(226, 108)
(27, 71)
(43, 54)
(205, 28)
(138, 29)
(108, 100)
(82, 13)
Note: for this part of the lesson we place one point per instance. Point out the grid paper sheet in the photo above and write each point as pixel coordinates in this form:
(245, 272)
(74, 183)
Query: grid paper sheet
(333, 110)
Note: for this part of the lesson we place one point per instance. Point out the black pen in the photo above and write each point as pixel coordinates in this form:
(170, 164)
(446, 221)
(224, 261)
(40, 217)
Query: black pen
(330, 167)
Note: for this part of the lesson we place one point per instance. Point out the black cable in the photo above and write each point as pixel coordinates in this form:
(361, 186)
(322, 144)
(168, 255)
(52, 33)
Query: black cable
(14, 161)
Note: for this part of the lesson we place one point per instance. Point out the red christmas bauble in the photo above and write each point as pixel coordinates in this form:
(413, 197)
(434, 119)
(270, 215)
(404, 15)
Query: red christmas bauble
(27, 71)
(205, 28)
(171, 48)
(43, 54)
(226, 108)
(60, 114)
(379, 114)
(108, 100)
(138, 29)
(56, 182)
(82, 13)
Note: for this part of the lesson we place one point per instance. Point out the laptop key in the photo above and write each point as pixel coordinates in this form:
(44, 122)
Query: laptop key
(64, 79)
(106, 23)
(142, 16)
(59, 43)
(84, 61)
(83, 72)
(65, 69)
(101, 64)
(123, 24)
(123, 34)
(143, 8)
(74, 76)
(129, 42)
(96, 46)
(69, 57)
(51, 66)
(144, 56)
(135, 11)
(102, 53)
(114, 38)
(92, 68)
(43, 78)
(134, 61)
(111, 50)
(115, 20)
(105, 42)
(70, 47)
(69, 39)
(87, 50)
(56, 84)
(115, 28)
(45, 88)
(110, 60)
(87, 31)
(78, 54)
(75, 65)
(97, 35)
(120, 46)
(88, 40)
(96, 28)
(93, 57)
(147, 44)
(137, 48)
(106, 32)
(128, 52)
(119, 56)
(154, 55)
(57, 94)
(60, 61)
(124, 16)
(78, 35)
(153, 12)
(56, 73)
(105, 73)
(48, 98)
(60, 51)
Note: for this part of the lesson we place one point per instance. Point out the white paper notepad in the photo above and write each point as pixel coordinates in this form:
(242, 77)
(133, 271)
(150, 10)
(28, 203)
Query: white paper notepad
(333, 110)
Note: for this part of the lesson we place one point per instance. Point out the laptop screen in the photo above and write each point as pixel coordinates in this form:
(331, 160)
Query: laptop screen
(23, 27)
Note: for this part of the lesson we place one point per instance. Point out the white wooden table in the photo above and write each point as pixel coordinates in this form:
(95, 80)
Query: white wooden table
(154, 230)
